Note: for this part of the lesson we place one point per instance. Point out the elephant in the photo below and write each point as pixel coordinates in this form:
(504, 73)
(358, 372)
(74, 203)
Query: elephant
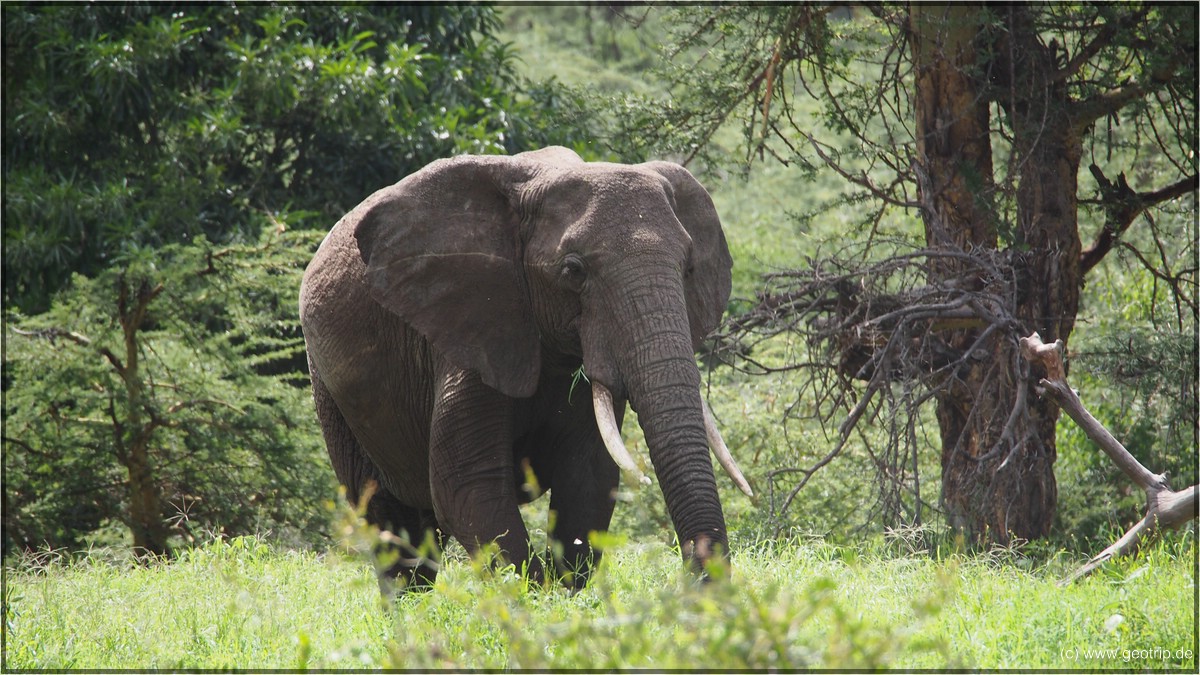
(455, 321)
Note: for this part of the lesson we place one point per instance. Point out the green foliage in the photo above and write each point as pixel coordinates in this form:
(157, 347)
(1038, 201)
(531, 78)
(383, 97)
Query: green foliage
(800, 604)
(575, 378)
(183, 354)
(140, 125)
(145, 148)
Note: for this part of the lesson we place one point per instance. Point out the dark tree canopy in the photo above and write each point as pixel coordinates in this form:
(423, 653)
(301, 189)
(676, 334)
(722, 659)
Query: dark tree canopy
(132, 125)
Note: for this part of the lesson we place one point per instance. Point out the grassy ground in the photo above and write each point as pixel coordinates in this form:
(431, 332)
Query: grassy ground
(805, 604)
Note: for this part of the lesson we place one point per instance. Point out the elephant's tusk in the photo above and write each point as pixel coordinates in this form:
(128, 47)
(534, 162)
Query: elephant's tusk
(606, 422)
(722, 451)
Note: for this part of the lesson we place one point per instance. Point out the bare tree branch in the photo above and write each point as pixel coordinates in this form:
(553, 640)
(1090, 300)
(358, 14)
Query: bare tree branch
(52, 334)
(882, 323)
(1087, 111)
(1122, 205)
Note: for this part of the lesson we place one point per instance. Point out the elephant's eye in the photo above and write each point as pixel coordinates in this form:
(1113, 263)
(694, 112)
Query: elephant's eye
(572, 271)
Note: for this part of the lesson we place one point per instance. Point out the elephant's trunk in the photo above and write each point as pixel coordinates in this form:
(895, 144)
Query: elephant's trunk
(649, 356)
(672, 421)
(610, 433)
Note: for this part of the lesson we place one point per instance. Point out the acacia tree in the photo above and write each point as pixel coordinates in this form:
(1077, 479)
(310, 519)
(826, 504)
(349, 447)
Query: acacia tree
(977, 119)
(150, 398)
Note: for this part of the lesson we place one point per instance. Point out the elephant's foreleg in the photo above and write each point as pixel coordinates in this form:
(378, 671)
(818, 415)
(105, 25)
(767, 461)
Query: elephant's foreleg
(582, 501)
(582, 494)
(471, 469)
(410, 553)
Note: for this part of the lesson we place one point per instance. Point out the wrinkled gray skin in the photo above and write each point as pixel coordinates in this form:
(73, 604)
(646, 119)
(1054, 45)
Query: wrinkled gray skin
(446, 315)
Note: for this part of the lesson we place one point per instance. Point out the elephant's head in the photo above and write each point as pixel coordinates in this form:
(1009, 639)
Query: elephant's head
(512, 266)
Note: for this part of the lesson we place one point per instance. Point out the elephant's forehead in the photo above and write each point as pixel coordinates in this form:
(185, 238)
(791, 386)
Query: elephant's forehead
(621, 209)
(604, 195)
(605, 184)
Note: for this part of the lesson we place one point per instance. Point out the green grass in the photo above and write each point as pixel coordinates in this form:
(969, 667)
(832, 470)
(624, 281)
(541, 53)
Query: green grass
(243, 604)
(230, 604)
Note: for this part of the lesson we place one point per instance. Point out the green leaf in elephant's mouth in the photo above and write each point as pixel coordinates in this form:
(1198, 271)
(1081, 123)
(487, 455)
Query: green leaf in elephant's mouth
(575, 378)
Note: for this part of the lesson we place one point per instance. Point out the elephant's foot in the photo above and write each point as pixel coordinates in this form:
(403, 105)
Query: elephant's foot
(573, 564)
(400, 568)
(400, 579)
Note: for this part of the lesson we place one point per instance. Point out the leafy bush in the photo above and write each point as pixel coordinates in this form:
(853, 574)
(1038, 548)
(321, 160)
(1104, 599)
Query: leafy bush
(151, 397)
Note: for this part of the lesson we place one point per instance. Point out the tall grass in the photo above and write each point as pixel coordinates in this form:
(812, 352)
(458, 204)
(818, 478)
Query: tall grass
(230, 604)
(799, 604)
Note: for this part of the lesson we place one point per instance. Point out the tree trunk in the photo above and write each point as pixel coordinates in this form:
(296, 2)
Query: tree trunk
(145, 505)
(953, 147)
(998, 447)
(135, 434)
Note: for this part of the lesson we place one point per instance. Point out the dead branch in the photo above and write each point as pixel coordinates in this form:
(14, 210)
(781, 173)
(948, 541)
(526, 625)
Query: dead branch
(1165, 508)
(52, 334)
(862, 319)
(874, 341)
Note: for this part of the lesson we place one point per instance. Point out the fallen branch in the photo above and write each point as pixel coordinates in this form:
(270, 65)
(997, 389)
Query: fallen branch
(1165, 508)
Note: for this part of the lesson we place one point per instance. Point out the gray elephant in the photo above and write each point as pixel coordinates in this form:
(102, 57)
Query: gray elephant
(447, 318)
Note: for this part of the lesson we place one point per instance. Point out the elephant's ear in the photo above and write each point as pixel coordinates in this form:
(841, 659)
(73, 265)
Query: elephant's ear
(709, 280)
(442, 251)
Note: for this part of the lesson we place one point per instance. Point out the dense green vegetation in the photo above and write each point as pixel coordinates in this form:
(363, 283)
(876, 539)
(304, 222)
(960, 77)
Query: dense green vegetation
(140, 125)
(168, 174)
(205, 195)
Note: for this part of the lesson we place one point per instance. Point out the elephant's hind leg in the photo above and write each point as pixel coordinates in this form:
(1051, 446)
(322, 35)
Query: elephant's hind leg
(411, 555)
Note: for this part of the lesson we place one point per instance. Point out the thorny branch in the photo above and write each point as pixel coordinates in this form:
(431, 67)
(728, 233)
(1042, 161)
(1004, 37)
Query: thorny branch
(871, 345)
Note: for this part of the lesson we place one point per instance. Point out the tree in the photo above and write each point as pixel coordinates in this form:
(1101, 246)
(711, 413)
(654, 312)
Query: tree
(131, 125)
(146, 397)
(978, 120)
